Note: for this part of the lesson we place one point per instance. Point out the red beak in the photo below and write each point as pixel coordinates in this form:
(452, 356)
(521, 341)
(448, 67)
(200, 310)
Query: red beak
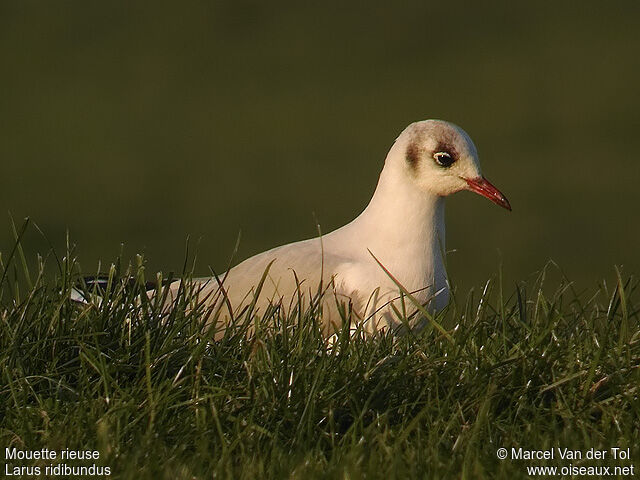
(483, 187)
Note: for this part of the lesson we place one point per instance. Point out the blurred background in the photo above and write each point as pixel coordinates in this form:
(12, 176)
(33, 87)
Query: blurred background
(125, 123)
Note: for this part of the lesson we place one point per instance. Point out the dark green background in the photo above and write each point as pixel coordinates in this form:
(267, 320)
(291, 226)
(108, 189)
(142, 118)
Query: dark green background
(144, 123)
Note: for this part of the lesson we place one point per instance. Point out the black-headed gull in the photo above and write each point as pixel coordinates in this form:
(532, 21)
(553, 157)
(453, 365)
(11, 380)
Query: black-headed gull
(402, 229)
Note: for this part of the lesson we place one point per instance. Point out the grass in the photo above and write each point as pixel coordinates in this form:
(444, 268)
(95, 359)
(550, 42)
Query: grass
(535, 366)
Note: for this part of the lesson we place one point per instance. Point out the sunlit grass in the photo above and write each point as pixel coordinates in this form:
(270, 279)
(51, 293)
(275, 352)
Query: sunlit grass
(518, 367)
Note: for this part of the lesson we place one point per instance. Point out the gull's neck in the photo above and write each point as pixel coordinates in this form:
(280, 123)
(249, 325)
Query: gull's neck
(400, 218)
(403, 226)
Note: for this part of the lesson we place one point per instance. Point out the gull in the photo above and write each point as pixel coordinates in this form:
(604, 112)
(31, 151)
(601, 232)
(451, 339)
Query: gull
(392, 250)
(396, 244)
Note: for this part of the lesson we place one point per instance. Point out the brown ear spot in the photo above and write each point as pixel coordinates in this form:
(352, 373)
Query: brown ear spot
(413, 156)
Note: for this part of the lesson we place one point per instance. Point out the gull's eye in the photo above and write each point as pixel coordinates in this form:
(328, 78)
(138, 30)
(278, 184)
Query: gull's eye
(444, 159)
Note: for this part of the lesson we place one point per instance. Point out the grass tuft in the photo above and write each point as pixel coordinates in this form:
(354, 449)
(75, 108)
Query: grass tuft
(537, 367)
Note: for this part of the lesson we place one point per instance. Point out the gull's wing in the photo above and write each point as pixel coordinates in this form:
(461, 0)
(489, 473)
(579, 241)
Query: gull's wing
(303, 268)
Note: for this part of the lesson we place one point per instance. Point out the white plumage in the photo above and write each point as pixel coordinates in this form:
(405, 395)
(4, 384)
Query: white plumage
(403, 227)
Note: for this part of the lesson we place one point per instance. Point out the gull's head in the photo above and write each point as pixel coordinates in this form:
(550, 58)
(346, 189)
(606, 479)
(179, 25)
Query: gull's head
(441, 159)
